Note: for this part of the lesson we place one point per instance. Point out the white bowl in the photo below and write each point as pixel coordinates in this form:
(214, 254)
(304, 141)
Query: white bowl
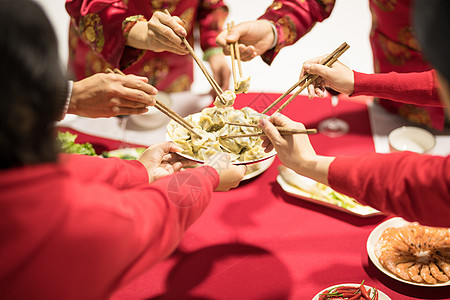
(153, 118)
(410, 138)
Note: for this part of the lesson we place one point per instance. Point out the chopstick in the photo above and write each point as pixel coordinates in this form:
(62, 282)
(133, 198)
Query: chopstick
(282, 130)
(308, 79)
(216, 87)
(235, 57)
(165, 109)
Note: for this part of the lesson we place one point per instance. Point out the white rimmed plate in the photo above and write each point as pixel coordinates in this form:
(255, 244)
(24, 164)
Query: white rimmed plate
(373, 239)
(196, 116)
(381, 295)
(360, 211)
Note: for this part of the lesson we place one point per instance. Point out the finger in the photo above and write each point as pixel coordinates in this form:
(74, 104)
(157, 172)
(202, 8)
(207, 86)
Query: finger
(318, 69)
(165, 44)
(233, 34)
(136, 77)
(222, 42)
(310, 91)
(271, 132)
(128, 111)
(139, 83)
(320, 92)
(120, 102)
(172, 22)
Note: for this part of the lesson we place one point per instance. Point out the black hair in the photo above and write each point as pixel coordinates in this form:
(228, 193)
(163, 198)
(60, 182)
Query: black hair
(432, 27)
(33, 86)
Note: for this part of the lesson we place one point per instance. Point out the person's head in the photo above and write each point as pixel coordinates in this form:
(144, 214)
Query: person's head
(33, 85)
(432, 27)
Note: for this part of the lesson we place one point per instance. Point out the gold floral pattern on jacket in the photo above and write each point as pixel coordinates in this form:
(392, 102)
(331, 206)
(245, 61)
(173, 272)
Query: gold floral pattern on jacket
(159, 5)
(395, 53)
(386, 5)
(415, 114)
(91, 30)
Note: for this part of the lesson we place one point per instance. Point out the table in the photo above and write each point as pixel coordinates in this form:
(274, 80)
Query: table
(256, 242)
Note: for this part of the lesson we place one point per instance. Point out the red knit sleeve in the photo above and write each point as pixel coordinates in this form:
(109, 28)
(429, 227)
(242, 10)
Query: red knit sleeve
(414, 88)
(413, 186)
(293, 19)
(119, 173)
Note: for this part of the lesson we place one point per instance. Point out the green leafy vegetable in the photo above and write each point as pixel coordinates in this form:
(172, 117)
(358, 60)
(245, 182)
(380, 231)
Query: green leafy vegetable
(68, 145)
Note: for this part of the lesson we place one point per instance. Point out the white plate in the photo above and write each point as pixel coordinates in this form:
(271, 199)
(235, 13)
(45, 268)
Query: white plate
(197, 116)
(258, 168)
(373, 239)
(361, 211)
(381, 295)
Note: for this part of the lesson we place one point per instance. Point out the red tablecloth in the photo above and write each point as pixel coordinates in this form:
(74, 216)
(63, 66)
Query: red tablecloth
(256, 242)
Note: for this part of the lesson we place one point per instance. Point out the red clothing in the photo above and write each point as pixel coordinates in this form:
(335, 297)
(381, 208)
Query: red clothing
(413, 88)
(83, 227)
(413, 186)
(394, 46)
(98, 31)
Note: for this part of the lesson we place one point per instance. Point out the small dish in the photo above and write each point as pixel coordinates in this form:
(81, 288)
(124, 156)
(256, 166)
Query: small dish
(410, 138)
(381, 295)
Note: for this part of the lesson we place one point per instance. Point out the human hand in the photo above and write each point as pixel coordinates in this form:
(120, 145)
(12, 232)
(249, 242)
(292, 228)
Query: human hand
(339, 77)
(295, 151)
(108, 95)
(255, 38)
(160, 160)
(161, 33)
(230, 175)
(220, 70)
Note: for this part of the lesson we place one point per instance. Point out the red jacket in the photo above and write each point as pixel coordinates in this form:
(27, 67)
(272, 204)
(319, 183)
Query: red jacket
(81, 228)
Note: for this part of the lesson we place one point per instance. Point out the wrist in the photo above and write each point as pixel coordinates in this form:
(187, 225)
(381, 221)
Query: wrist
(315, 167)
(211, 52)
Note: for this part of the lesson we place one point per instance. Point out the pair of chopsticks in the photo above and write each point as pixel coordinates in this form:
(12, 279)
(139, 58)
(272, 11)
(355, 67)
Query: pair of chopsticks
(165, 109)
(281, 130)
(307, 79)
(235, 57)
(216, 87)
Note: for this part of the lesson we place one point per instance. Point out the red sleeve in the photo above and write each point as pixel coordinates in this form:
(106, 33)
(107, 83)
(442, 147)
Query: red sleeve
(211, 17)
(414, 88)
(293, 19)
(121, 174)
(413, 186)
(99, 24)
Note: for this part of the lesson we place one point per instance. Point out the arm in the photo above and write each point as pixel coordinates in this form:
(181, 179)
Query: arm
(293, 19)
(415, 88)
(413, 186)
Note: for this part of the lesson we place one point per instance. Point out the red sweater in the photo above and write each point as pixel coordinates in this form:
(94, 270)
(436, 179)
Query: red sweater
(83, 227)
(413, 186)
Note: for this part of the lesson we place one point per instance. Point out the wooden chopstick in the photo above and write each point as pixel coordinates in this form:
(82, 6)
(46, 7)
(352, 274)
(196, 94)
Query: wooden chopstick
(279, 128)
(238, 54)
(282, 130)
(233, 60)
(308, 78)
(216, 87)
(165, 109)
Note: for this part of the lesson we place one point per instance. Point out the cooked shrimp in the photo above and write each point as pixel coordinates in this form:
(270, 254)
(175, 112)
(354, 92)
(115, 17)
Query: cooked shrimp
(426, 275)
(402, 270)
(444, 266)
(438, 274)
(414, 273)
(390, 260)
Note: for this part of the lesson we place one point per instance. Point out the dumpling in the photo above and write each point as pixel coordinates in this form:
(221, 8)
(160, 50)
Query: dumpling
(228, 96)
(243, 86)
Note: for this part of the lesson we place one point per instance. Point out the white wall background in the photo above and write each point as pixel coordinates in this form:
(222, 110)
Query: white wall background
(350, 21)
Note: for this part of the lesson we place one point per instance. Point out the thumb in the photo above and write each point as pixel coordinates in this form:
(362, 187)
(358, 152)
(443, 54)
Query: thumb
(233, 35)
(271, 132)
(318, 69)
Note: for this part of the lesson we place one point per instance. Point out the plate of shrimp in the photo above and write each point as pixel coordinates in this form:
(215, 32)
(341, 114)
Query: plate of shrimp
(411, 253)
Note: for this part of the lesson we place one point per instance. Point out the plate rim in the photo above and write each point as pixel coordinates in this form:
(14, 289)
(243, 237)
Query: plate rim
(286, 186)
(271, 154)
(375, 235)
(381, 293)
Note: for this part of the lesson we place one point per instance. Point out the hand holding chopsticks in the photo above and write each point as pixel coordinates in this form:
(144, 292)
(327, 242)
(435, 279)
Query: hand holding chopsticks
(235, 57)
(307, 79)
(166, 110)
(216, 87)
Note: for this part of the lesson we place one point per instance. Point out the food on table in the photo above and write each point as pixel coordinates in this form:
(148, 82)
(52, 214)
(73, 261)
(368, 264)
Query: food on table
(68, 145)
(243, 86)
(349, 292)
(228, 96)
(211, 124)
(416, 253)
(319, 191)
(125, 153)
